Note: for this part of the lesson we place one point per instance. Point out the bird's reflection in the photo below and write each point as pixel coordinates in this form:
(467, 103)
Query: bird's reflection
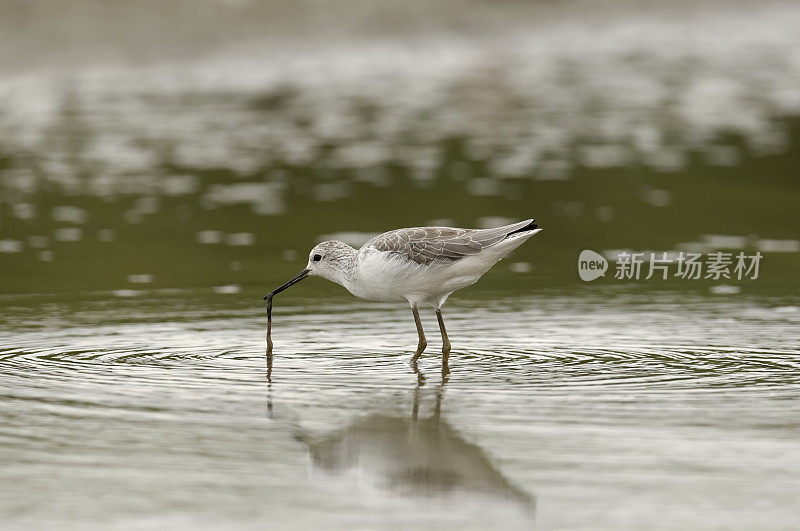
(417, 454)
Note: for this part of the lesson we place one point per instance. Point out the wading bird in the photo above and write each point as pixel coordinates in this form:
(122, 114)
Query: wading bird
(419, 265)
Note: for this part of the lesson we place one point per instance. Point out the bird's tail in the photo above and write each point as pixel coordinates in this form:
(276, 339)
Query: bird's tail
(531, 225)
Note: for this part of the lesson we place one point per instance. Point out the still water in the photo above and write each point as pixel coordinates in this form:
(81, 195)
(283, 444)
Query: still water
(611, 410)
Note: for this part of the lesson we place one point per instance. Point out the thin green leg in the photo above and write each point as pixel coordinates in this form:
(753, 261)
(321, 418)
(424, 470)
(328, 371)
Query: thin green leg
(445, 339)
(422, 341)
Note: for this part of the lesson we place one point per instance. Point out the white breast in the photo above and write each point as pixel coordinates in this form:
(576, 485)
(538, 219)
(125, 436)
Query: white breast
(389, 277)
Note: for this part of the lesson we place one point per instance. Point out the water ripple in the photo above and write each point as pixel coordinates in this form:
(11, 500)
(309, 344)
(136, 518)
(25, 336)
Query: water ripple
(94, 397)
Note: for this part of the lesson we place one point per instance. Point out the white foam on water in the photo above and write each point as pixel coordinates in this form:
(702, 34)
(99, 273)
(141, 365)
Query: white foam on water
(778, 246)
(229, 289)
(724, 241)
(68, 234)
(518, 97)
(126, 293)
(26, 211)
(69, 214)
(208, 237)
(140, 279)
(520, 267)
(240, 239)
(725, 289)
(10, 246)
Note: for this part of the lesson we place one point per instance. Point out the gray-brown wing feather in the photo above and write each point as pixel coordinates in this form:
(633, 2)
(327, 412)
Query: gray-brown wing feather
(425, 245)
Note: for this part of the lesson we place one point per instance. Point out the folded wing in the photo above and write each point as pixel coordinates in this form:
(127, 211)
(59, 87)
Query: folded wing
(426, 245)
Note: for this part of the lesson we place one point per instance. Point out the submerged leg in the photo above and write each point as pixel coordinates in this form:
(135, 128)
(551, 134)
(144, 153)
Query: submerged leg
(422, 342)
(445, 339)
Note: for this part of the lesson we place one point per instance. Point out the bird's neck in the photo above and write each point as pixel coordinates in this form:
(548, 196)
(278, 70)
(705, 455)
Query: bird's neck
(346, 271)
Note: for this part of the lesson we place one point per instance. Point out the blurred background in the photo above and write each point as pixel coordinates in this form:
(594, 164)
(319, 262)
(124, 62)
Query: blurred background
(210, 144)
(165, 164)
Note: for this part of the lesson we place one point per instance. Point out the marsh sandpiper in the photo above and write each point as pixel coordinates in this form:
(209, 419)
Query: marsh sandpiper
(418, 265)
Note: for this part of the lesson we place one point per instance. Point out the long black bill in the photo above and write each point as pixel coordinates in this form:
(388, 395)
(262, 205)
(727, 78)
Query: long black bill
(297, 278)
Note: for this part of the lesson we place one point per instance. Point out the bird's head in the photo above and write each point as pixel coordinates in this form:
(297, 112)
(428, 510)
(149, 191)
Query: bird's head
(328, 259)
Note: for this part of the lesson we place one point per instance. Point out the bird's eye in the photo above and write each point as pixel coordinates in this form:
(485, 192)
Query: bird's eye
(317, 257)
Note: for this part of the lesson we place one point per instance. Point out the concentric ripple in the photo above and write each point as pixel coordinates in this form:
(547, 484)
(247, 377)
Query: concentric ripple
(554, 410)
